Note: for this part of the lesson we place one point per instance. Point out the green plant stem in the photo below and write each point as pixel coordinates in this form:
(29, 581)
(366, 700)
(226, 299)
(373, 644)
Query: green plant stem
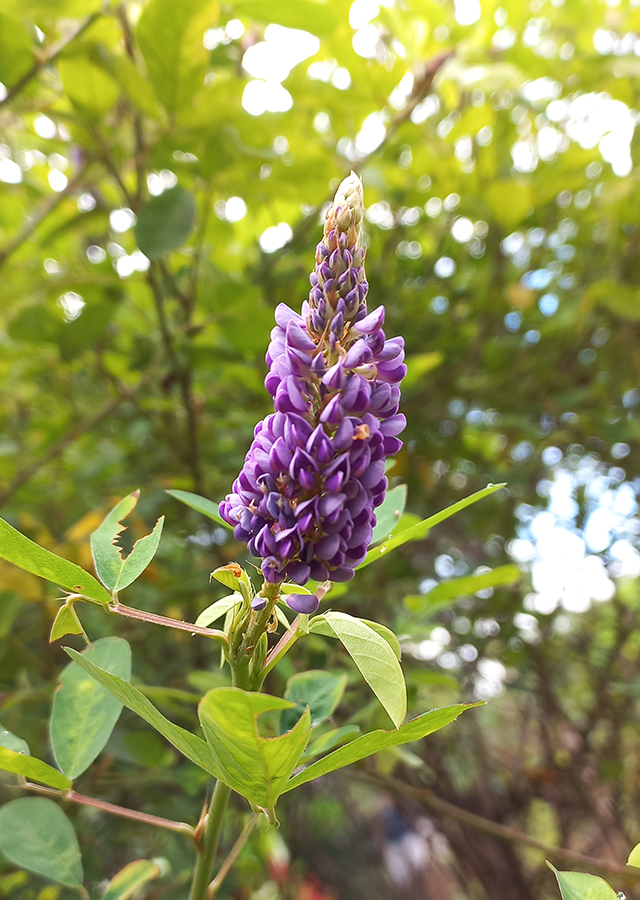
(240, 658)
(242, 649)
(210, 840)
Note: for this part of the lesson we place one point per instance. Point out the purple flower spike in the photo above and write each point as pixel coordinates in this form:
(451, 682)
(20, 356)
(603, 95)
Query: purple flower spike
(303, 603)
(305, 499)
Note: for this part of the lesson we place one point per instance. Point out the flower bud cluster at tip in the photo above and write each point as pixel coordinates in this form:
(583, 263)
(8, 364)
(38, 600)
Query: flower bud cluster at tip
(306, 496)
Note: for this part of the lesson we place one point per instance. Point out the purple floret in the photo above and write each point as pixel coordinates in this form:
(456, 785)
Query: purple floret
(314, 474)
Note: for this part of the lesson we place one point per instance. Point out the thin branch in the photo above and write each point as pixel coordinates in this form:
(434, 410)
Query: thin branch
(57, 447)
(283, 646)
(121, 610)
(112, 809)
(182, 375)
(234, 853)
(47, 58)
(504, 832)
(50, 204)
(137, 118)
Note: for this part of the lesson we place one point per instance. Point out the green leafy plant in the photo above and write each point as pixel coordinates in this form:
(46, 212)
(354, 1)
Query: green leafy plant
(259, 766)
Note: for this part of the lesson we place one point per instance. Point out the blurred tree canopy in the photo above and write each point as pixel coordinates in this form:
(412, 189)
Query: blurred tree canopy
(164, 168)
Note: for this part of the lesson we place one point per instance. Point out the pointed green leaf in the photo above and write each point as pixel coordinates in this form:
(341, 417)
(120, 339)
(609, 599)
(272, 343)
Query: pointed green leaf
(254, 766)
(36, 835)
(170, 37)
(126, 884)
(420, 530)
(165, 222)
(218, 609)
(87, 85)
(114, 571)
(200, 504)
(84, 713)
(191, 746)
(294, 589)
(448, 591)
(577, 886)
(133, 84)
(30, 767)
(11, 742)
(65, 622)
(387, 634)
(319, 690)
(634, 856)
(376, 741)
(226, 576)
(27, 555)
(389, 513)
(373, 655)
(329, 740)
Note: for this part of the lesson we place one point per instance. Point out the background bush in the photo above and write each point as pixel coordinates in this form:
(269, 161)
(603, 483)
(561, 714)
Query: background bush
(502, 193)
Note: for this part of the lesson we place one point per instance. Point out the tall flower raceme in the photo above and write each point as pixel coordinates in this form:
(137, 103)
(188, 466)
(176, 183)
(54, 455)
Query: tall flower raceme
(306, 496)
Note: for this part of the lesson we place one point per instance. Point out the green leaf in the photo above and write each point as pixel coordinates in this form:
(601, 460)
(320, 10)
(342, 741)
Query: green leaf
(226, 576)
(128, 881)
(577, 886)
(11, 742)
(87, 85)
(132, 83)
(84, 713)
(170, 37)
(419, 531)
(389, 513)
(419, 365)
(191, 746)
(303, 14)
(448, 591)
(30, 767)
(65, 622)
(27, 555)
(36, 835)
(202, 505)
(319, 690)
(114, 571)
(373, 655)
(387, 634)
(16, 50)
(165, 222)
(329, 740)
(375, 741)
(634, 856)
(254, 766)
(218, 609)
(294, 589)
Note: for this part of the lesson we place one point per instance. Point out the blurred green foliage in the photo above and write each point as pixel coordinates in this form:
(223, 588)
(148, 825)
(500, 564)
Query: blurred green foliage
(501, 180)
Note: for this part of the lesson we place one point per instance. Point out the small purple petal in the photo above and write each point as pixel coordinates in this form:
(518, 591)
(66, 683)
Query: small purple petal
(302, 603)
(258, 603)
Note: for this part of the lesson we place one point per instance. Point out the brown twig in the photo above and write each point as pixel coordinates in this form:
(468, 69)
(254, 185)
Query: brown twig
(232, 856)
(121, 610)
(50, 204)
(57, 447)
(504, 832)
(112, 809)
(182, 376)
(47, 58)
